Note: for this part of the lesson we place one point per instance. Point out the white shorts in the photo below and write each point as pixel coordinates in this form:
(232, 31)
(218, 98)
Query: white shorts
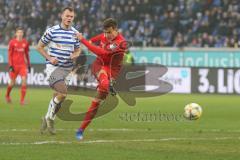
(55, 74)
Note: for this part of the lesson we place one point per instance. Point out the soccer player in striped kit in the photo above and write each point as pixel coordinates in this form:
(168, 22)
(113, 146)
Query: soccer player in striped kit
(63, 48)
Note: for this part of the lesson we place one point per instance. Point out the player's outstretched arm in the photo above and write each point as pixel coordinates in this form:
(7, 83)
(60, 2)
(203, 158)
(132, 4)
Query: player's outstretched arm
(93, 48)
(95, 39)
(41, 50)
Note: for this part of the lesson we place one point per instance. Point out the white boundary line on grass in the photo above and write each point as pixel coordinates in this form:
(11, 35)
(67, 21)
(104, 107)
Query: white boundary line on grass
(91, 130)
(119, 141)
(121, 130)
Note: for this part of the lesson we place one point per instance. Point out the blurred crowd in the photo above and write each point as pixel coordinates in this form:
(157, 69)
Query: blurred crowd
(151, 23)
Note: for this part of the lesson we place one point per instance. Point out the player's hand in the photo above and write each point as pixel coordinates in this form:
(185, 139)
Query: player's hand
(29, 69)
(53, 60)
(74, 56)
(11, 69)
(79, 36)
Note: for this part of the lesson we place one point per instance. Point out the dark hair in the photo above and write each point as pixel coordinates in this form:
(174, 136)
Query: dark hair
(71, 9)
(110, 22)
(19, 28)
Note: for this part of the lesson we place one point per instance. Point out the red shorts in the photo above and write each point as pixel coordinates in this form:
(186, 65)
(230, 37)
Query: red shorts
(112, 72)
(18, 70)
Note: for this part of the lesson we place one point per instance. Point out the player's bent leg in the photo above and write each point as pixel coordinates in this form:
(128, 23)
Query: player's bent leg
(54, 106)
(56, 78)
(103, 89)
(48, 120)
(92, 110)
(58, 97)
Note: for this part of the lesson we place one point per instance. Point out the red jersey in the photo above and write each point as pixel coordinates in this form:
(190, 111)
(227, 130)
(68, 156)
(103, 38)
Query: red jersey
(18, 53)
(109, 53)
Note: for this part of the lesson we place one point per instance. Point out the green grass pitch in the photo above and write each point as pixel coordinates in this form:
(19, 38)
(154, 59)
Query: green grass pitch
(215, 136)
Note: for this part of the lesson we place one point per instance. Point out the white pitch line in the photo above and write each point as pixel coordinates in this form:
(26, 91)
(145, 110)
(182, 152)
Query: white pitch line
(162, 139)
(120, 141)
(91, 130)
(118, 130)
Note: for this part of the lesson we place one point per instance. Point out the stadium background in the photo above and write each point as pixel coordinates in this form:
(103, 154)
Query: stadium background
(197, 40)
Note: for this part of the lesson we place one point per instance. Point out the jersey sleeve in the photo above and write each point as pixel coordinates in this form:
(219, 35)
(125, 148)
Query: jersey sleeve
(47, 36)
(93, 48)
(101, 51)
(10, 53)
(96, 38)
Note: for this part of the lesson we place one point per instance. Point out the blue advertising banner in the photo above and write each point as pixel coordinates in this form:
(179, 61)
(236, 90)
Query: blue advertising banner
(171, 57)
(189, 57)
(35, 57)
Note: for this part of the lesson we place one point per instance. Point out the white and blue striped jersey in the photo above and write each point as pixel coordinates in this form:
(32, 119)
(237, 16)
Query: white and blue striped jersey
(61, 44)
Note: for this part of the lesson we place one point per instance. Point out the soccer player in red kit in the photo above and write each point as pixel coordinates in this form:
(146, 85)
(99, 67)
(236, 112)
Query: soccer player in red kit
(109, 51)
(19, 63)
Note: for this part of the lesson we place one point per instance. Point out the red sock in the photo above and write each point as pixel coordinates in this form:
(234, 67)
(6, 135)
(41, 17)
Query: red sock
(9, 88)
(23, 92)
(90, 115)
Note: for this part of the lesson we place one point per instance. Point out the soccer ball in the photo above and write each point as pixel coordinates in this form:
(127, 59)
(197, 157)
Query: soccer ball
(192, 111)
